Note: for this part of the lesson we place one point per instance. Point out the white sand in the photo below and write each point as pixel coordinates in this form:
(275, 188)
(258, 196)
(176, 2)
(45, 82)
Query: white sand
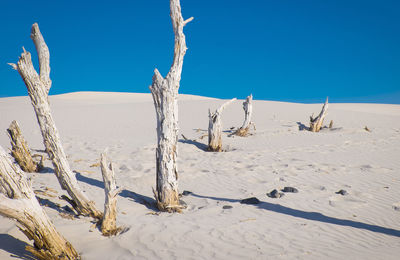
(314, 223)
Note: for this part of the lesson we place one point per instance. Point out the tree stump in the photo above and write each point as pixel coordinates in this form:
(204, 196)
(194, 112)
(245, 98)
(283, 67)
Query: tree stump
(316, 123)
(215, 128)
(109, 223)
(248, 111)
(18, 202)
(20, 150)
(38, 89)
(165, 97)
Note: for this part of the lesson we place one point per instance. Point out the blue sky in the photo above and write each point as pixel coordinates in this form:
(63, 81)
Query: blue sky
(286, 50)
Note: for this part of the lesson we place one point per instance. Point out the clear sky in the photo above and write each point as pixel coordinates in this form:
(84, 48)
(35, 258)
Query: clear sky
(286, 50)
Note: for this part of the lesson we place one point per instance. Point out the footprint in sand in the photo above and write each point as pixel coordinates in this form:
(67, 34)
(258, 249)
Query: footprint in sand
(123, 168)
(346, 201)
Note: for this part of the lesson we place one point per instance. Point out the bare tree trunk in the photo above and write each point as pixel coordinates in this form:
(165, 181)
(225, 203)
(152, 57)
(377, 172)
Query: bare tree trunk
(18, 202)
(165, 96)
(109, 223)
(20, 150)
(215, 128)
(248, 111)
(316, 123)
(38, 89)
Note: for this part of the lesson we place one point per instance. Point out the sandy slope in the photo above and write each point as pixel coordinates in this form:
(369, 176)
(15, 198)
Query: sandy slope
(314, 223)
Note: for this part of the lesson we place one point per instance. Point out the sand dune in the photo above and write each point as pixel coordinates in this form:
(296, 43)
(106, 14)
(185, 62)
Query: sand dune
(315, 223)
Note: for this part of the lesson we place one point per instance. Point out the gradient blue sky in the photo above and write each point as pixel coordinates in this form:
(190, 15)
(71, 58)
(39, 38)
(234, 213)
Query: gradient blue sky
(286, 50)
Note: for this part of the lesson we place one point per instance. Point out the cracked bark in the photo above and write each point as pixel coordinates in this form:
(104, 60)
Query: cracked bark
(18, 202)
(165, 97)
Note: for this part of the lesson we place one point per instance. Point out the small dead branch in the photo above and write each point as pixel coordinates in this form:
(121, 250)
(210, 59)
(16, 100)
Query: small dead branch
(202, 137)
(95, 165)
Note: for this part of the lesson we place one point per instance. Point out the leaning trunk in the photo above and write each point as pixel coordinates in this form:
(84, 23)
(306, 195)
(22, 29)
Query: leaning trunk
(18, 202)
(38, 88)
(165, 96)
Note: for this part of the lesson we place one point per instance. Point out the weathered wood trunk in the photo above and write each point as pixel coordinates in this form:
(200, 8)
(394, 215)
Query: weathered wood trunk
(316, 123)
(20, 150)
(165, 96)
(248, 111)
(38, 89)
(18, 202)
(215, 128)
(109, 223)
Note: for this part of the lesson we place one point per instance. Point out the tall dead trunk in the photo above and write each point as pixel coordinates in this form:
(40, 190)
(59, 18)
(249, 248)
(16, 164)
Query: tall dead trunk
(109, 223)
(38, 88)
(165, 96)
(20, 150)
(18, 202)
(248, 111)
(215, 128)
(316, 123)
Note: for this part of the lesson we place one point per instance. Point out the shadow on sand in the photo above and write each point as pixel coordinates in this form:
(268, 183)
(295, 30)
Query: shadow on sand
(302, 127)
(199, 145)
(148, 202)
(15, 247)
(315, 216)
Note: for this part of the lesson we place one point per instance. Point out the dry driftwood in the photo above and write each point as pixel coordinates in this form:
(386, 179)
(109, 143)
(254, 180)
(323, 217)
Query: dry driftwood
(248, 111)
(316, 123)
(165, 97)
(18, 202)
(38, 88)
(215, 128)
(20, 150)
(109, 223)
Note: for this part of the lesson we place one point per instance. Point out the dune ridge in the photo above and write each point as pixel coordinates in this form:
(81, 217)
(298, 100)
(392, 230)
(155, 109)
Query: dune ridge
(315, 223)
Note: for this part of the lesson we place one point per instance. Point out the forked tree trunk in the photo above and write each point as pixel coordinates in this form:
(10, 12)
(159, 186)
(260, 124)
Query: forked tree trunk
(109, 223)
(18, 202)
(316, 123)
(20, 150)
(215, 128)
(248, 111)
(38, 88)
(165, 96)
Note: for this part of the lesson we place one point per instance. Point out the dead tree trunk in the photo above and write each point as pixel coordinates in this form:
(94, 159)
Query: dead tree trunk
(165, 96)
(316, 123)
(20, 150)
(215, 128)
(248, 111)
(109, 223)
(18, 202)
(38, 88)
